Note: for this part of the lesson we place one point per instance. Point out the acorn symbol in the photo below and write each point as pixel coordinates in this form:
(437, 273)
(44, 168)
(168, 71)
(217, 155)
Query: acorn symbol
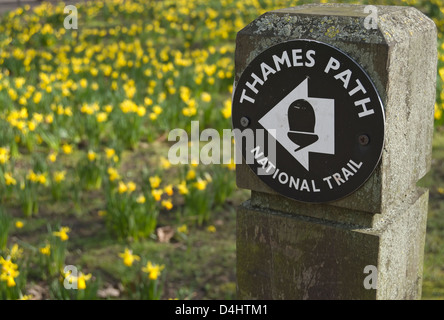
(302, 120)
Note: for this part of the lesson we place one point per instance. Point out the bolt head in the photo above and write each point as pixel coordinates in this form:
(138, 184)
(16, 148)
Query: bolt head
(364, 139)
(244, 121)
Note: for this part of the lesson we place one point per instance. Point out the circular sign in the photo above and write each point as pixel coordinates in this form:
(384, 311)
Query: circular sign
(309, 121)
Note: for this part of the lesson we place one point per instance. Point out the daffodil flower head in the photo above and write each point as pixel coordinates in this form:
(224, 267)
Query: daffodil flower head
(9, 179)
(131, 186)
(183, 229)
(113, 174)
(128, 257)
(141, 199)
(122, 187)
(67, 148)
(110, 152)
(182, 187)
(46, 250)
(169, 190)
(167, 204)
(82, 279)
(211, 229)
(8, 272)
(191, 174)
(15, 252)
(59, 176)
(153, 270)
(52, 157)
(200, 184)
(62, 233)
(157, 194)
(91, 155)
(155, 182)
(165, 163)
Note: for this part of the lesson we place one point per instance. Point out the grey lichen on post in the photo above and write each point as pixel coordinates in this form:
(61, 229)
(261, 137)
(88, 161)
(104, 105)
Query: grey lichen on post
(293, 250)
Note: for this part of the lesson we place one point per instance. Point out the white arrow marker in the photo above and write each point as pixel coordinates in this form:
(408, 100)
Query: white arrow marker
(276, 123)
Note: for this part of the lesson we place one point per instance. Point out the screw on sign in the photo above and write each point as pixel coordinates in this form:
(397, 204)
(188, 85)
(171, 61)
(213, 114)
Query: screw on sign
(321, 108)
(244, 122)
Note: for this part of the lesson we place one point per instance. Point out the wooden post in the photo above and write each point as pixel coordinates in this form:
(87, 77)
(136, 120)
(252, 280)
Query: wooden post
(368, 244)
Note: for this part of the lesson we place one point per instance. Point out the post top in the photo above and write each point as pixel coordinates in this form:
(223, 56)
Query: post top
(337, 9)
(341, 22)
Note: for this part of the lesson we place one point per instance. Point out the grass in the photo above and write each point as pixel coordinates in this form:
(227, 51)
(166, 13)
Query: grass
(200, 265)
(433, 283)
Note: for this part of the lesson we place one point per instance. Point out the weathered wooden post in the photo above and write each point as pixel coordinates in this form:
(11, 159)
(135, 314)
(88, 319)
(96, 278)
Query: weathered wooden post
(334, 110)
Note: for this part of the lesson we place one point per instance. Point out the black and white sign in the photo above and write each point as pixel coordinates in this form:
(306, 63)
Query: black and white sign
(322, 117)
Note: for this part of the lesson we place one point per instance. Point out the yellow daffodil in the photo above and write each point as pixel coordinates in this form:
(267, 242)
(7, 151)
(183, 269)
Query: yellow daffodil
(59, 176)
(46, 250)
(131, 186)
(226, 111)
(37, 97)
(83, 83)
(36, 177)
(62, 233)
(52, 157)
(206, 97)
(49, 118)
(122, 187)
(9, 277)
(182, 188)
(128, 257)
(109, 152)
(191, 174)
(183, 229)
(101, 213)
(108, 108)
(9, 179)
(141, 111)
(165, 163)
(169, 189)
(102, 117)
(82, 279)
(167, 204)
(155, 182)
(4, 155)
(157, 109)
(200, 184)
(8, 272)
(232, 165)
(153, 270)
(157, 194)
(92, 155)
(15, 252)
(141, 199)
(113, 174)
(67, 148)
(211, 229)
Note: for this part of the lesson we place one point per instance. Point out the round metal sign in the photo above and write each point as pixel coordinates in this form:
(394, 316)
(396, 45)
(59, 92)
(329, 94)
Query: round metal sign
(309, 121)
